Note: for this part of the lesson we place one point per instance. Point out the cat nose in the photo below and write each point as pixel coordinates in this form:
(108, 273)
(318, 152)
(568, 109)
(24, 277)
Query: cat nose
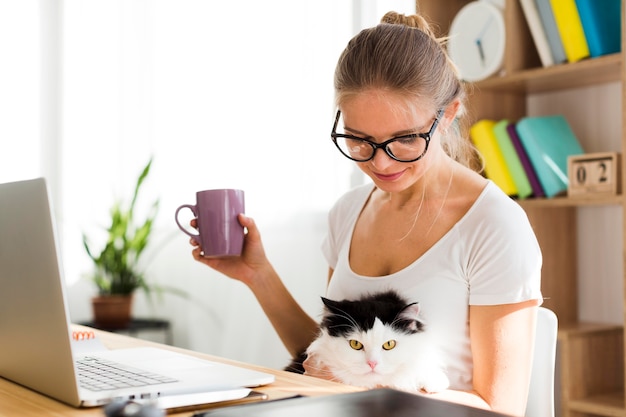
(372, 364)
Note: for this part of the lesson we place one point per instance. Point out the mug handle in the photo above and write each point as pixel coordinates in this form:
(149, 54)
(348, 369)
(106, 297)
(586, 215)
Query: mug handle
(195, 213)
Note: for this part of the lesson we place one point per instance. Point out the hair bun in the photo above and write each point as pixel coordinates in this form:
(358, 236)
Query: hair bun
(414, 21)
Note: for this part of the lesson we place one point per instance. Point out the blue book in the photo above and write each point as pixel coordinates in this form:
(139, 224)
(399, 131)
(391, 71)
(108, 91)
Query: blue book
(548, 141)
(551, 30)
(601, 20)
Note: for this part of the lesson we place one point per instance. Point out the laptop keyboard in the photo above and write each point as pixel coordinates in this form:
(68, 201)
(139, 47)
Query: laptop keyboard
(97, 374)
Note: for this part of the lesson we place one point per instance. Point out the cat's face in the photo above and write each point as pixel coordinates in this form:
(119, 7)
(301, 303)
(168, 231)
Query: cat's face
(365, 343)
(370, 356)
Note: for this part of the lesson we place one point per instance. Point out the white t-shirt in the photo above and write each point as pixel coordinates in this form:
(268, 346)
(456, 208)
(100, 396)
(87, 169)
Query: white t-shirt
(491, 256)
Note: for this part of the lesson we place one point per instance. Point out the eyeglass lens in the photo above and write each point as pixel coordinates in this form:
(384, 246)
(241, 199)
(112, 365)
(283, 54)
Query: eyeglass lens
(404, 148)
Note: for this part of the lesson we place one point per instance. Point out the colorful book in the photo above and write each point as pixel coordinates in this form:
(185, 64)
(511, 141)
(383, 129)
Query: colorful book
(483, 137)
(512, 160)
(552, 33)
(548, 141)
(602, 24)
(571, 29)
(529, 7)
(528, 166)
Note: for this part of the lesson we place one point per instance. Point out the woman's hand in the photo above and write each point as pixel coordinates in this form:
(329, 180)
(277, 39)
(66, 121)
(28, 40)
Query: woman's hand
(245, 267)
(317, 369)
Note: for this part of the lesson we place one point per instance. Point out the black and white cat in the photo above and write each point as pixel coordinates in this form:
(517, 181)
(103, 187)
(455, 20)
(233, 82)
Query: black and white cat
(375, 341)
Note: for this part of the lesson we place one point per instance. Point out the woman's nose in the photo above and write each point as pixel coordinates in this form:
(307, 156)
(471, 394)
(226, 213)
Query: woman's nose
(381, 160)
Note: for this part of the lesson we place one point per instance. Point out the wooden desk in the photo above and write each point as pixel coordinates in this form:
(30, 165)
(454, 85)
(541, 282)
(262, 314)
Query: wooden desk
(16, 400)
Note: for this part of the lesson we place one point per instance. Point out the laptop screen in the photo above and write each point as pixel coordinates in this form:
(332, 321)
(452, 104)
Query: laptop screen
(34, 321)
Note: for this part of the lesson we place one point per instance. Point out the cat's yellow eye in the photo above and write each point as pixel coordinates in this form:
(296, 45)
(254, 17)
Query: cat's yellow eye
(355, 344)
(389, 344)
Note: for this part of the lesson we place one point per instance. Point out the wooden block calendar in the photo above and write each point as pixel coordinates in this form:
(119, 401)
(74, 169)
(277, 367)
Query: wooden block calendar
(594, 174)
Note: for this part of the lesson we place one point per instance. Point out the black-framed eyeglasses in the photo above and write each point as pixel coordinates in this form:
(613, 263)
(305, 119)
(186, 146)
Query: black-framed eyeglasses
(405, 148)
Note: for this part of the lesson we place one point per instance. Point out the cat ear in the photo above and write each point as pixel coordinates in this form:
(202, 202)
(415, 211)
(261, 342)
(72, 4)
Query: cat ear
(411, 311)
(411, 314)
(330, 304)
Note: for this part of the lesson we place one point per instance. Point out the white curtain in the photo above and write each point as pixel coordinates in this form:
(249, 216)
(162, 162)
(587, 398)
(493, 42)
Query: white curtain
(220, 94)
(20, 46)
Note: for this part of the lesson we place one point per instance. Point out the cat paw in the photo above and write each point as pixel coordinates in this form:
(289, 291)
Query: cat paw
(436, 383)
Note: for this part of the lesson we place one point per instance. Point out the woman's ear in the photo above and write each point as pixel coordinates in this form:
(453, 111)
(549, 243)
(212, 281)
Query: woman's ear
(450, 114)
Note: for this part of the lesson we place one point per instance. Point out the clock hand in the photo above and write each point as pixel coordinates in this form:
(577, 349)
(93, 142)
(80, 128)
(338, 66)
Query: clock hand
(479, 42)
(481, 52)
(484, 29)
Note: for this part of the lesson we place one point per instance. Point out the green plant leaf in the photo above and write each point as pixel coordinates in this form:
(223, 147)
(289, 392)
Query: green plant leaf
(116, 266)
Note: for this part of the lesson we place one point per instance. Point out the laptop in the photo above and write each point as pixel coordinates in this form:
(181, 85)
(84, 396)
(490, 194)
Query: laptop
(35, 332)
(379, 402)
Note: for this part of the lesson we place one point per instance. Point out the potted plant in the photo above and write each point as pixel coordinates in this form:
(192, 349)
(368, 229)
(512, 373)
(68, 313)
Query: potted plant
(117, 273)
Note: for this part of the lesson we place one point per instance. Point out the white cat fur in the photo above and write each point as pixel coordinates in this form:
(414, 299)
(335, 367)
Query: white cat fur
(413, 365)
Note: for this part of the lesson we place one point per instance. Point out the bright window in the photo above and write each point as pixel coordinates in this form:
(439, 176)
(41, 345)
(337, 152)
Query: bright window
(235, 93)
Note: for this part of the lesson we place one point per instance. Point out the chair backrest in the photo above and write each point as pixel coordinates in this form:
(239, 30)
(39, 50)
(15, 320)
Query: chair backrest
(541, 393)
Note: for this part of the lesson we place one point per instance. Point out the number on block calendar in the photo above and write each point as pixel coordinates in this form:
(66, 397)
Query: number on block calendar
(596, 173)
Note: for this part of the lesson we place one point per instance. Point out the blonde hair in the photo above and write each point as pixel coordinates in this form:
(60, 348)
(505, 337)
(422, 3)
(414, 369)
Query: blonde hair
(403, 55)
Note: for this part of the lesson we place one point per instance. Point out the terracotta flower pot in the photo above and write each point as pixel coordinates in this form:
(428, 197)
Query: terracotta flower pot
(112, 311)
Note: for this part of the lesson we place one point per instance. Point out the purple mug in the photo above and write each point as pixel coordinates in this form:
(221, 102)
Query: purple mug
(219, 231)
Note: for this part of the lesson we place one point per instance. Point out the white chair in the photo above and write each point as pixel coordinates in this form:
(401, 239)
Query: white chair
(541, 393)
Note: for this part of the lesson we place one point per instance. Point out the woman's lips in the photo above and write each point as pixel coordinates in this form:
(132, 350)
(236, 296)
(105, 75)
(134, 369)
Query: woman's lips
(389, 177)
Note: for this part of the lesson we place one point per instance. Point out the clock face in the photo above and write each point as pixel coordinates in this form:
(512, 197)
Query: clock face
(476, 42)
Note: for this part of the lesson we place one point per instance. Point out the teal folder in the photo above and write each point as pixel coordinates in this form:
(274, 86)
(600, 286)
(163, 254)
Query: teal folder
(512, 160)
(548, 141)
(601, 20)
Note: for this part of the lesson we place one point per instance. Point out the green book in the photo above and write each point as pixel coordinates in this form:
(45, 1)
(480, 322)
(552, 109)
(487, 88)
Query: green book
(512, 160)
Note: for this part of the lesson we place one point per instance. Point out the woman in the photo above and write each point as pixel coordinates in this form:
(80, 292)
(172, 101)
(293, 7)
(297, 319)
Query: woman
(429, 226)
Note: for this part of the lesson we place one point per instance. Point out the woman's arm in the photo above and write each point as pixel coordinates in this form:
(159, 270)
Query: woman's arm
(294, 326)
(502, 339)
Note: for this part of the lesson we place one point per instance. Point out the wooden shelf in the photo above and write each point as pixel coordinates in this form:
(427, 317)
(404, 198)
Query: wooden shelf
(592, 366)
(558, 77)
(609, 404)
(571, 202)
(584, 328)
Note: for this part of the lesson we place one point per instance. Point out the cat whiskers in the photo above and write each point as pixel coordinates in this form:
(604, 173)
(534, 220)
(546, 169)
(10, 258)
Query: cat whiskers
(349, 318)
(396, 323)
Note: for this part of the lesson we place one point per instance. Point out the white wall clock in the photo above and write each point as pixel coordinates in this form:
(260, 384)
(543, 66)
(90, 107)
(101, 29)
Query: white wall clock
(477, 39)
